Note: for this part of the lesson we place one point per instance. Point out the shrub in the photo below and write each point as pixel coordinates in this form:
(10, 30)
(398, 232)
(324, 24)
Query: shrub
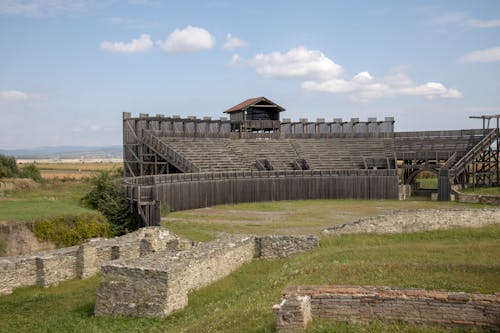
(71, 230)
(107, 197)
(31, 171)
(8, 167)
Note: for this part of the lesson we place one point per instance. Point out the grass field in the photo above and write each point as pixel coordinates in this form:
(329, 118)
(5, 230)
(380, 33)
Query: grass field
(74, 170)
(51, 198)
(284, 217)
(484, 190)
(427, 182)
(460, 259)
(60, 194)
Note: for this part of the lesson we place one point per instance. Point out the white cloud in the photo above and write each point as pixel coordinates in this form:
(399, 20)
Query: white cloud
(364, 87)
(486, 55)
(475, 23)
(233, 43)
(12, 95)
(236, 59)
(39, 7)
(139, 45)
(464, 19)
(187, 40)
(319, 73)
(298, 63)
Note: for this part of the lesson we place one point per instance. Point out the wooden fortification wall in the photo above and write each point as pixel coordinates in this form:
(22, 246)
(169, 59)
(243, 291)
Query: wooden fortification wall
(197, 190)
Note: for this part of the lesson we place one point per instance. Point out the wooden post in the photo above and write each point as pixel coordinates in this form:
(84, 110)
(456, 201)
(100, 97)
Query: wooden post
(444, 186)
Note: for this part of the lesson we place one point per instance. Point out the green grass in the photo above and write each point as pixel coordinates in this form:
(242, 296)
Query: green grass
(284, 217)
(428, 182)
(51, 198)
(458, 260)
(483, 190)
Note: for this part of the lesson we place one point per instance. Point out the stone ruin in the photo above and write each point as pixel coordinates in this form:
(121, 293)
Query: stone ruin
(158, 284)
(149, 272)
(48, 268)
(302, 304)
(418, 220)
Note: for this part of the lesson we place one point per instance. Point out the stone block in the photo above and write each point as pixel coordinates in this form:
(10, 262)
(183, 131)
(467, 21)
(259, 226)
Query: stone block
(369, 303)
(276, 246)
(86, 261)
(158, 283)
(55, 266)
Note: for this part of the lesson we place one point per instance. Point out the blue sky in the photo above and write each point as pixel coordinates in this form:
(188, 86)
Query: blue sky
(68, 69)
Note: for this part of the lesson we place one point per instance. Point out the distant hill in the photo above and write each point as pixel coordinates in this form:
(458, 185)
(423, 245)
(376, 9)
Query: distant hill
(65, 152)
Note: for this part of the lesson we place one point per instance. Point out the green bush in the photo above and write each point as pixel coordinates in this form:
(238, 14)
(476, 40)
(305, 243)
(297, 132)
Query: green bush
(31, 171)
(8, 167)
(107, 197)
(71, 230)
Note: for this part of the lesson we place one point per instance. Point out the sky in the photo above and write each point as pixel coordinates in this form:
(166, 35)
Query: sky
(68, 69)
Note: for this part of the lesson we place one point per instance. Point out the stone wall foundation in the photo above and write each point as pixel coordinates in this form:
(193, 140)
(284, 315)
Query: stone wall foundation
(419, 220)
(158, 283)
(365, 304)
(48, 268)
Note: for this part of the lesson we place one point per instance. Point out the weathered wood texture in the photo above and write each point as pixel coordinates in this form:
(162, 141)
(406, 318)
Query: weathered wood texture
(309, 160)
(222, 154)
(140, 160)
(435, 145)
(196, 190)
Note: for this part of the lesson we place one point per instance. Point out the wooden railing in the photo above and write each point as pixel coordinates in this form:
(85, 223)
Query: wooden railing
(196, 190)
(256, 124)
(440, 134)
(188, 177)
(459, 167)
(173, 157)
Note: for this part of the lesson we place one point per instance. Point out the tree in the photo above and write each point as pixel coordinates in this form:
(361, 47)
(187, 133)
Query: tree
(8, 167)
(107, 197)
(31, 171)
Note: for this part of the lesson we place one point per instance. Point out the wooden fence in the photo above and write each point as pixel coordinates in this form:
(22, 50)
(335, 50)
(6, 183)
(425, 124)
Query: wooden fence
(196, 190)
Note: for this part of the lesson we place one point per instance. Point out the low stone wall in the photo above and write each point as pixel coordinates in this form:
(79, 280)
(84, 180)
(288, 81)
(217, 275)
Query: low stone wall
(272, 247)
(477, 198)
(17, 272)
(419, 220)
(50, 267)
(159, 283)
(302, 304)
(55, 266)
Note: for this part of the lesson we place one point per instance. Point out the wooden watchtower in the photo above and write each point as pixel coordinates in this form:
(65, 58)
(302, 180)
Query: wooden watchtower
(257, 114)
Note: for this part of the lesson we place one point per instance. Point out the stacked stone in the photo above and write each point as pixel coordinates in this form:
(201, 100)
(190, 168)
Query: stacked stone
(55, 266)
(157, 284)
(478, 198)
(419, 220)
(293, 314)
(272, 247)
(364, 304)
(17, 272)
(48, 268)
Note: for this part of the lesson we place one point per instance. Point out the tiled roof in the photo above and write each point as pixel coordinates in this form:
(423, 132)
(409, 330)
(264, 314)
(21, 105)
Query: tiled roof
(251, 101)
